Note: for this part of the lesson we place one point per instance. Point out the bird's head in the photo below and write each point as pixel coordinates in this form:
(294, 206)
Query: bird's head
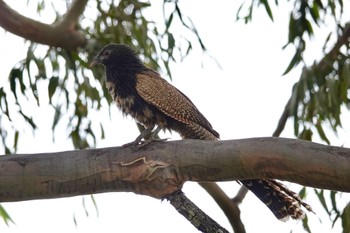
(116, 55)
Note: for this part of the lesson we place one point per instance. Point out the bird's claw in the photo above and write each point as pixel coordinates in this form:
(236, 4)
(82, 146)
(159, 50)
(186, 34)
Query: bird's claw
(141, 144)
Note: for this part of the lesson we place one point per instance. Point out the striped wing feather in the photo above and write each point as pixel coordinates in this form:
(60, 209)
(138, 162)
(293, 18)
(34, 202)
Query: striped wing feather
(157, 91)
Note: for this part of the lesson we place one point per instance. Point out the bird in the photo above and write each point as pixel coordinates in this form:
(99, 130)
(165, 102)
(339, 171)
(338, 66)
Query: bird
(143, 94)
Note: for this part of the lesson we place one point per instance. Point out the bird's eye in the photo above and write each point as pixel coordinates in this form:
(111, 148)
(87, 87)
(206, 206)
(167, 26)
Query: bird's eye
(106, 53)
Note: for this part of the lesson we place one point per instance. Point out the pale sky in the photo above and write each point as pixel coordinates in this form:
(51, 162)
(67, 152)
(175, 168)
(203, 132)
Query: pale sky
(243, 99)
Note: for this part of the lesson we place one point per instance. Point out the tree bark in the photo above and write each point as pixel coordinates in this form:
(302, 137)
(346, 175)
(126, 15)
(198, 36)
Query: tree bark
(60, 34)
(161, 168)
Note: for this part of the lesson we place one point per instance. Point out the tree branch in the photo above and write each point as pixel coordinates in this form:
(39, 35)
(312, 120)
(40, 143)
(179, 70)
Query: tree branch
(230, 208)
(242, 192)
(162, 168)
(60, 34)
(193, 214)
(73, 13)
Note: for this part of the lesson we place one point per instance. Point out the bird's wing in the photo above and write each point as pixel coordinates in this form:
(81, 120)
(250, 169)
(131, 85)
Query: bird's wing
(169, 100)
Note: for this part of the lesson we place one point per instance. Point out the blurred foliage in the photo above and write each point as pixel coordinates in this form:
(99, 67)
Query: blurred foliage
(323, 89)
(71, 91)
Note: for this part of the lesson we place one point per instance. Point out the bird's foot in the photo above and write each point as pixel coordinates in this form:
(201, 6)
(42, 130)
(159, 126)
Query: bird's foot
(151, 140)
(141, 144)
(153, 137)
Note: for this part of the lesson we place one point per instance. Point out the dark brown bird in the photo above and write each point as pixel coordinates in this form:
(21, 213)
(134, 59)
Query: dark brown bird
(142, 93)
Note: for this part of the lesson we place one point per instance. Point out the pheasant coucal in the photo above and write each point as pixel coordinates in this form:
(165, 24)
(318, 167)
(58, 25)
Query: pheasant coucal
(142, 93)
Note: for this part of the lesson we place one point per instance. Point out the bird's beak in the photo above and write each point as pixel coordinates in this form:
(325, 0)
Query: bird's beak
(94, 61)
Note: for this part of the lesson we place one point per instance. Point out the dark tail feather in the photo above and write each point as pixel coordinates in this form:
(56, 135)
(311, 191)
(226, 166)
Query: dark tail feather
(283, 202)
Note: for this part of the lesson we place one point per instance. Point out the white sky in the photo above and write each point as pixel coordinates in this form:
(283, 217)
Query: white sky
(243, 99)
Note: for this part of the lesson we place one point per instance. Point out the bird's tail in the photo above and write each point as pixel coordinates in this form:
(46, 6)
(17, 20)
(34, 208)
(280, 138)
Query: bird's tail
(283, 202)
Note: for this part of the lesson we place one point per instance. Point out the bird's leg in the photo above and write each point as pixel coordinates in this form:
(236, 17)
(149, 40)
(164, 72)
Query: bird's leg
(153, 137)
(137, 141)
(147, 132)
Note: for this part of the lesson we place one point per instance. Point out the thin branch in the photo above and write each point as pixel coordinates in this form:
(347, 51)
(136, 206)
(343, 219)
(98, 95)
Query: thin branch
(193, 214)
(58, 35)
(161, 168)
(73, 13)
(283, 120)
(321, 66)
(242, 192)
(229, 208)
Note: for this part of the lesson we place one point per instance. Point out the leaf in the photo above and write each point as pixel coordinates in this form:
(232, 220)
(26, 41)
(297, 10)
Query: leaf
(306, 134)
(302, 193)
(15, 140)
(5, 216)
(28, 119)
(53, 84)
(294, 62)
(326, 42)
(95, 204)
(334, 206)
(102, 132)
(15, 74)
(322, 200)
(171, 43)
(322, 133)
(267, 8)
(345, 217)
(56, 117)
(314, 12)
(169, 21)
(306, 224)
(4, 109)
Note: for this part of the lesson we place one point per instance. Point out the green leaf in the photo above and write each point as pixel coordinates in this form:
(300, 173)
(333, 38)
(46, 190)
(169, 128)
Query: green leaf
(56, 117)
(28, 119)
(53, 84)
(302, 193)
(95, 204)
(5, 216)
(171, 43)
(306, 134)
(320, 195)
(15, 74)
(345, 217)
(15, 140)
(334, 206)
(3, 101)
(306, 224)
(169, 21)
(267, 8)
(322, 133)
(102, 132)
(294, 62)
(314, 12)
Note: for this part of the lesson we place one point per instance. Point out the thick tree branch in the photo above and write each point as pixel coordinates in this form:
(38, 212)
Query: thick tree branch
(162, 168)
(61, 34)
